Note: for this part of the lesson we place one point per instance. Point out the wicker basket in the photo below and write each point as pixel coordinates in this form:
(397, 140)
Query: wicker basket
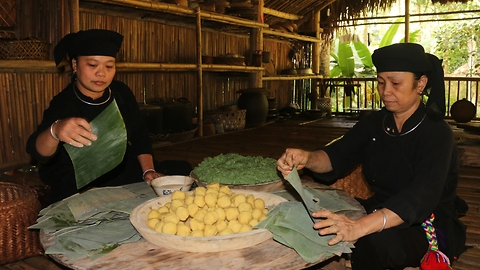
(181, 136)
(19, 208)
(231, 119)
(354, 184)
(26, 49)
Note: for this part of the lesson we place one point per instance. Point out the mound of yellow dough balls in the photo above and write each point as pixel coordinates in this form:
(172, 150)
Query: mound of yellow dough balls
(208, 211)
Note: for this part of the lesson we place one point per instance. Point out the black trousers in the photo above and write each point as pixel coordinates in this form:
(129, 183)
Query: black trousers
(393, 248)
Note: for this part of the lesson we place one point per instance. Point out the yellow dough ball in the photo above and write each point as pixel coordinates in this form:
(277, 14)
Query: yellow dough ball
(259, 203)
(225, 189)
(171, 217)
(265, 211)
(234, 225)
(225, 231)
(224, 202)
(263, 217)
(221, 225)
(192, 209)
(245, 207)
(199, 200)
(200, 191)
(212, 191)
(238, 199)
(153, 214)
(251, 199)
(189, 199)
(163, 209)
(169, 228)
(200, 214)
(256, 213)
(221, 213)
(197, 233)
(159, 226)
(210, 230)
(197, 225)
(182, 213)
(210, 218)
(151, 223)
(178, 195)
(245, 228)
(244, 217)
(214, 185)
(253, 222)
(231, 213)
(175, 204)
(183, 230)
(211, 199)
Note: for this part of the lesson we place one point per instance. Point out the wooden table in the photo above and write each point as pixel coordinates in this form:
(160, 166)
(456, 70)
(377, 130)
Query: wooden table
(144, 255)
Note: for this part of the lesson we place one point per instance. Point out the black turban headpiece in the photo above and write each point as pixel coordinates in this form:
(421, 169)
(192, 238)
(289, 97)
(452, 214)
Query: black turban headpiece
(411, 57)
(88, 42)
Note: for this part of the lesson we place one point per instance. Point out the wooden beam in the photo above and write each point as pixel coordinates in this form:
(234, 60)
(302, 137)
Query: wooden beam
(283, 15)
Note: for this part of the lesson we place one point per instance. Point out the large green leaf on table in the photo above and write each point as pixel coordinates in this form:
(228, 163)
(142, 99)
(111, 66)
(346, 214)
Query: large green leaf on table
(91, 162)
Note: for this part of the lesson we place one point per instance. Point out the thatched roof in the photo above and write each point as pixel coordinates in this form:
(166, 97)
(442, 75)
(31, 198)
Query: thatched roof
(332, 11)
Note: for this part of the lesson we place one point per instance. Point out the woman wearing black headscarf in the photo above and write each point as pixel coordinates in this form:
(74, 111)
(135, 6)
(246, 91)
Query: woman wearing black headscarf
(67, 120)
(409, 160)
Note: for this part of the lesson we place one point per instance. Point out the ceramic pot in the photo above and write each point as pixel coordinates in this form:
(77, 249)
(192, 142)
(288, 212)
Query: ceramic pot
(255, 102)
(463, 111)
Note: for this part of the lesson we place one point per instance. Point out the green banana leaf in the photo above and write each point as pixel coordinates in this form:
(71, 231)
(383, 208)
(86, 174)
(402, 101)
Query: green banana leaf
(346, 59)
(91, 162)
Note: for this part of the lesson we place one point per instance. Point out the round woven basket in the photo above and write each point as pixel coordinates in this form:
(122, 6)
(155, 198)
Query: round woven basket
(19, 209)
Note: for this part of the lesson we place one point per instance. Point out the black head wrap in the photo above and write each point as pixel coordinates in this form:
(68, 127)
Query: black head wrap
(88, 42)
(411, 57)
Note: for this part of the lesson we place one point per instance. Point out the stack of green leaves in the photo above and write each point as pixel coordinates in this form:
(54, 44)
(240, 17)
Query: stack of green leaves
(93, 223)
(292, 225)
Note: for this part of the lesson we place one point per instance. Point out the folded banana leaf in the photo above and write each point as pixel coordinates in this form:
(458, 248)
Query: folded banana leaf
(104, 154)
(291, 226)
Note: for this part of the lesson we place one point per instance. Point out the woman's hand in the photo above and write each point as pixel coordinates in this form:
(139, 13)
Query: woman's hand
(345, 229)
(74, 131)
(150, 175)
(292, 158)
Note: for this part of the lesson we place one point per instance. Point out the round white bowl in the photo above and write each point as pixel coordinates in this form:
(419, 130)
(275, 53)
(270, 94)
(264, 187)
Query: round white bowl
(166, 185)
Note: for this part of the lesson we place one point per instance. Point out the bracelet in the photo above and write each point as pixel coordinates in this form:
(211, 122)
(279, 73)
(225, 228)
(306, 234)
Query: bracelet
(384, 219)
(51, 130)
(146, 171)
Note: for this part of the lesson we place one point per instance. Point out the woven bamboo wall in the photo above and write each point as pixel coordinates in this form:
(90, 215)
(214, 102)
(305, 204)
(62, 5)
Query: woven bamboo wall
(24, 96)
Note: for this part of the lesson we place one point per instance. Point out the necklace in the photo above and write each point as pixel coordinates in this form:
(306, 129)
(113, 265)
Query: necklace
(91, 103)
(388, 130)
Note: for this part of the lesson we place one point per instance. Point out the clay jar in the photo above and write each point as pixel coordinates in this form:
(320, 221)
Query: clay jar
(255, 102)
(463, 111)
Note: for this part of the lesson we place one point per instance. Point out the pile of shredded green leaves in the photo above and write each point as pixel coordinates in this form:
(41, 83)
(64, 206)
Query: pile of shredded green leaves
(235, 169)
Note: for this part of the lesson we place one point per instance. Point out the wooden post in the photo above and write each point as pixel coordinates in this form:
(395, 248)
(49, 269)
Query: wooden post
(256, 44)
(407, 21)
(199, 72)
(74, 16)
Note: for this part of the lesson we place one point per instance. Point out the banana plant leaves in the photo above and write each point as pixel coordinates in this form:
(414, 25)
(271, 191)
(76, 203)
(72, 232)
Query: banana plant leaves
(104, 154)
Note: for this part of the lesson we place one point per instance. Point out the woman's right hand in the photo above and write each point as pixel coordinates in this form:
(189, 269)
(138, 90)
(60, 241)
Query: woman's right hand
(74, 131)
(292, 158)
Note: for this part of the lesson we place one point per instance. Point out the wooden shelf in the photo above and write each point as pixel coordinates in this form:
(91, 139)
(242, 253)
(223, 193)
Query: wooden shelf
(281, 34)
(291, 77)
(230, 68)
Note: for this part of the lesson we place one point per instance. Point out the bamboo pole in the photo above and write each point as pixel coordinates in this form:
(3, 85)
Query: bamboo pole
(199, 72)
(279, 14)
(407, 21)
(256, 44)
(74, 16)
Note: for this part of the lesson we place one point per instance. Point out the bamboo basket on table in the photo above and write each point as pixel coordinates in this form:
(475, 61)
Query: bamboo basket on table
(19, 208)
(231, 117)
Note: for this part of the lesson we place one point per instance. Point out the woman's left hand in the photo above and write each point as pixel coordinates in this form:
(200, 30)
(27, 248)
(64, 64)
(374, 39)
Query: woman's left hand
(149, 176)
(345, 229)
